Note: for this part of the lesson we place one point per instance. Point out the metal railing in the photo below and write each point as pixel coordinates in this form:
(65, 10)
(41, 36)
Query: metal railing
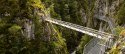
(86, 30)
(95, 46)
(90, 45)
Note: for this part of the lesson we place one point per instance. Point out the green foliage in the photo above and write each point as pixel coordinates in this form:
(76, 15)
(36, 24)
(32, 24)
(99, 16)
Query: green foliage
(84, 41)
(121, 14)
(14, 29)
(119, 43)
(59, 45)
(118, 30)
(36, 4)
(48, 39)
(12, 26)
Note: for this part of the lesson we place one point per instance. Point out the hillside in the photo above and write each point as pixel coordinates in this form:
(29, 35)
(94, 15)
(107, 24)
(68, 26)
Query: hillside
(24, 30)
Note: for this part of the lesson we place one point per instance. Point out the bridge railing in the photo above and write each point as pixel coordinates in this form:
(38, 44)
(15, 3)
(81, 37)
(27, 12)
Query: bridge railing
(92, 32)
(90, 45)
(97, 46)
(96, 33)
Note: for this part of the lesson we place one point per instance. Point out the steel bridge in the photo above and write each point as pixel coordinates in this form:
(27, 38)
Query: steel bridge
(86, 30)
(94, 46)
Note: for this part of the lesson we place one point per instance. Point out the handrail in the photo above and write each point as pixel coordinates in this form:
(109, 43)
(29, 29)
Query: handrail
(86, 30)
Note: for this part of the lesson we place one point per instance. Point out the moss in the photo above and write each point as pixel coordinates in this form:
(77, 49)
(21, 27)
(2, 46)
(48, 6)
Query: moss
(14, 29)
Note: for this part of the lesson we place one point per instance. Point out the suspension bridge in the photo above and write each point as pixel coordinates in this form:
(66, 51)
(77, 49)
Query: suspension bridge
(86, 30)
(94, 46)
